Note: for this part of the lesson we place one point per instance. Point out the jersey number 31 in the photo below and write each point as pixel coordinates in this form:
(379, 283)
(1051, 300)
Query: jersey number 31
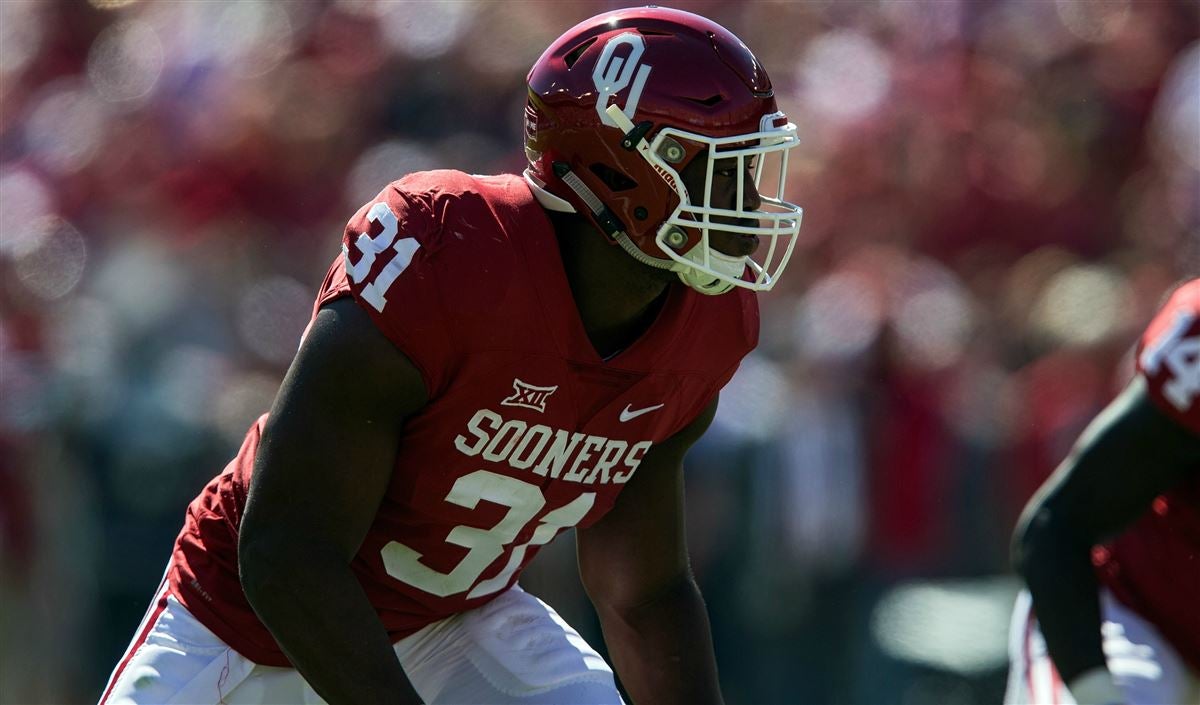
(370, 248)
(523, 500)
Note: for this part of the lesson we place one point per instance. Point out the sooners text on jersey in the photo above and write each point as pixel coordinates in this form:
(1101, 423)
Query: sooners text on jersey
(527, 431)
(1154, 566)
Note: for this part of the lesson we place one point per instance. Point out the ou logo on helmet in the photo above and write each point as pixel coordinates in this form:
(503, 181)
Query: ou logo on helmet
(612, 75)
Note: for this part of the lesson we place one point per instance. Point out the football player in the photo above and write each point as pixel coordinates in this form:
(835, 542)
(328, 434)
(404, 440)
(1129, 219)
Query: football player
(1119, 622)
(491, 361)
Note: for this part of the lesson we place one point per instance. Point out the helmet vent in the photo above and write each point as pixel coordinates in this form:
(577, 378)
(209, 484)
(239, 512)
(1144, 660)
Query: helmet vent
(654, 33)
(613, 179)
(573, 55)
(709, 101)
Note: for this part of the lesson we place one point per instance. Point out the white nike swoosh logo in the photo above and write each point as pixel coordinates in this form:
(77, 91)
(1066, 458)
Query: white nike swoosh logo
(628, 413)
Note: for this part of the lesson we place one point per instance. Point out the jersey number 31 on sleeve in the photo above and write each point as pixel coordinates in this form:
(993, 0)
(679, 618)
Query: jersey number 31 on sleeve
(371, 247)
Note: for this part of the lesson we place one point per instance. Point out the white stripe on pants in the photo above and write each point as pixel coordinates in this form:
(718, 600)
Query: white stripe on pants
(515, 649)
(1144, 664)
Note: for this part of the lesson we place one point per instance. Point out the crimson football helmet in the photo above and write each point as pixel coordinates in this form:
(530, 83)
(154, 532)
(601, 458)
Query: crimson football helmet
(623, 102)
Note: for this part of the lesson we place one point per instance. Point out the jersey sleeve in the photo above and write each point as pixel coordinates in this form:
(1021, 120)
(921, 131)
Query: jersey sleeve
(389, 264)
(1169, 356)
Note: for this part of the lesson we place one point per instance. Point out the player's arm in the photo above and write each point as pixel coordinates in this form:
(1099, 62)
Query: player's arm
(322, 468)
(634, 566)
(1128, 455)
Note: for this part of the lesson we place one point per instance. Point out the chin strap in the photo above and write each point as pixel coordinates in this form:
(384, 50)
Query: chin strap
(707, 283)
(635, 140)
(612, 227)
(607, 221)
(615, 230)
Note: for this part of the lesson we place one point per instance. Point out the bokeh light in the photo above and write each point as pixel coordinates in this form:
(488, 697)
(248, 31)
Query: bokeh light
(844, 75)
(187, 380)
(51, 261)
(241, 399)
(22, 26)
(84, 339)
(1081, 305)
(384, 162)
(425, 30)
(140, 281)
(125, 61)
(1093, 21)
(512, 51)
(931, 316)
(926, 22)
(960, 625)
(839, 317)
(1177, 115)
(24, 201)
(66, 127)
(272, 315)
(754, 403)
(1027, 35)
(253, 36)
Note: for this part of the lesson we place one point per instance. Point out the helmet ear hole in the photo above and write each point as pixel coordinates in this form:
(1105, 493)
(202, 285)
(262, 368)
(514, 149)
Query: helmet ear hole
(613, 179)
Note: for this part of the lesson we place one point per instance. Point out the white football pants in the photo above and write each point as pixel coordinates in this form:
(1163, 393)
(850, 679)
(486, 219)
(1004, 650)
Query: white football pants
(1144, 665)
(515, 649)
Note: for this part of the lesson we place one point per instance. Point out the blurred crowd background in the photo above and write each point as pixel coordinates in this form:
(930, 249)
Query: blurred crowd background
(997, 193)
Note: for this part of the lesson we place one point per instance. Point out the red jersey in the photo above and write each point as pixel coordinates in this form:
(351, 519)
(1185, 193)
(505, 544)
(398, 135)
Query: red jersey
(527, 431)
(1154, 566)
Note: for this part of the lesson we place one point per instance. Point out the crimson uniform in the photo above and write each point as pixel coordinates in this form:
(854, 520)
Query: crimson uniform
(527, 431)
(658, 129)
(1150, 573)
(1154, 566)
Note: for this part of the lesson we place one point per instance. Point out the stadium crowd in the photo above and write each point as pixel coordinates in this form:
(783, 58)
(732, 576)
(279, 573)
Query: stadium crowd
(997, 195)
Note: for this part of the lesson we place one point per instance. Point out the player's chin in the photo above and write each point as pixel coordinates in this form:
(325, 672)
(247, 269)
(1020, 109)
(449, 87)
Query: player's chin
(733, 244)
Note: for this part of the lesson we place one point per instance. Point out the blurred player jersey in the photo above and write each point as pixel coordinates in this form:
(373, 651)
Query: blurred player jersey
(527, 431)
(1154, 566)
